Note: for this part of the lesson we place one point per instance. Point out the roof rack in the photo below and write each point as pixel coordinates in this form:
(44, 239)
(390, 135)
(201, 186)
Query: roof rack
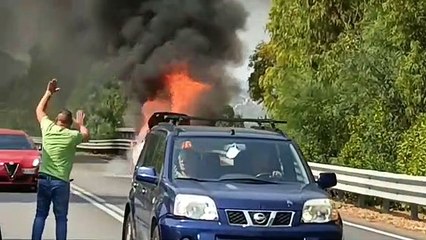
(168, 117)
(184, 119)
(259, 121)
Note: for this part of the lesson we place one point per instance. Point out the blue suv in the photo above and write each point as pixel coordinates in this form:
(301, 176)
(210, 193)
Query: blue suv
(202, 182)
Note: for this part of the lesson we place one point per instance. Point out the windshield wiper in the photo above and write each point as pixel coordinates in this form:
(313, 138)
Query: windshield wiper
(247, 179)
(193, 179)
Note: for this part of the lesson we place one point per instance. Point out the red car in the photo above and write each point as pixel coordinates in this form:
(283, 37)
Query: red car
(19, 160)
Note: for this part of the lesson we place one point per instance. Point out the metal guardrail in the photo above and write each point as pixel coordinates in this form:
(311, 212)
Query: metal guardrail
(99, 145)
(387, 186)
(397, 187)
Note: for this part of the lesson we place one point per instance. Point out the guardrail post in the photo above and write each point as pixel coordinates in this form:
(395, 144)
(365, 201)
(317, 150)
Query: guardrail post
(385, 206)
(414, 211)
(361, 201)
(340, 195)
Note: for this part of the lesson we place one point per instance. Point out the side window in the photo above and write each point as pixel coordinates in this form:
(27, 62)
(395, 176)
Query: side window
(155, 158)
(160, 152)
(148, 150)
(299, 169)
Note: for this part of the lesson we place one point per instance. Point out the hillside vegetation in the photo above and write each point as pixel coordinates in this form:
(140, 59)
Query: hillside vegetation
(350, 79)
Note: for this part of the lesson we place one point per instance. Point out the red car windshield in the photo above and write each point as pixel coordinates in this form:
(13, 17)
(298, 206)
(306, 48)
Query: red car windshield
(15, 142)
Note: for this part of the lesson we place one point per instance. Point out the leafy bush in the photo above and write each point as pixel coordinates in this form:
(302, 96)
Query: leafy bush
(350, 79)
(412, 149)
(105, 108)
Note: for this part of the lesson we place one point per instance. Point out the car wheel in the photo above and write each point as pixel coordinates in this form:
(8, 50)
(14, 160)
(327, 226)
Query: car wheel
(127, 229)
(155, 234)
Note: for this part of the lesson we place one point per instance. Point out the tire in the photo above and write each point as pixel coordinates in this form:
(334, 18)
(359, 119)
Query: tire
(155, 234)
(127, 233)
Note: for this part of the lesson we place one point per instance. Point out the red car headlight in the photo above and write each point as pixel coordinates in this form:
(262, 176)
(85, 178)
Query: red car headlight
(36, 162)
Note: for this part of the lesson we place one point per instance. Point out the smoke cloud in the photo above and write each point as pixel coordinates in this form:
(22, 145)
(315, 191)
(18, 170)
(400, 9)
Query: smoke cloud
(136, 40)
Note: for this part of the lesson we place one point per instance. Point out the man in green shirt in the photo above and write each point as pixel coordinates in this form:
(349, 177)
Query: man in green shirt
(59, 143)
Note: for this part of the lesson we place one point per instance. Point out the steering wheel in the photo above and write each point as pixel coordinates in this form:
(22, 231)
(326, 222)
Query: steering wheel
(264, 174)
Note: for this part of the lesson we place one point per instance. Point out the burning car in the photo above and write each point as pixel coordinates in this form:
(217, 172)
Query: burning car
(207, 182)
(19, 160)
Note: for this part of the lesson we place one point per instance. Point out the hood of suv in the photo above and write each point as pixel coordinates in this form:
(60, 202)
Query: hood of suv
(253, 196)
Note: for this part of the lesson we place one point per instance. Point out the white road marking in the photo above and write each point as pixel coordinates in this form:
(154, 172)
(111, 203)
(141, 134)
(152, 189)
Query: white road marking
(98, 202)
(118, 175)
(376, 231)
(118, 213)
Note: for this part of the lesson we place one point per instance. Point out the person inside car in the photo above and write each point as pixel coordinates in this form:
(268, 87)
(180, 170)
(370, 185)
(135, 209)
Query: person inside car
(185, 165)
(262, 162)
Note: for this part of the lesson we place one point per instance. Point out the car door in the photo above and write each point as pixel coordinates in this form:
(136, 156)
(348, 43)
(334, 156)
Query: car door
(137, 187)
(151, 190)
(144, 191)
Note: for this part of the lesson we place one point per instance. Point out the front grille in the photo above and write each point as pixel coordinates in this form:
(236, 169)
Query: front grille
(236, 217)
(262, 221)
(282, 218)
(259, 218)
(11, 169)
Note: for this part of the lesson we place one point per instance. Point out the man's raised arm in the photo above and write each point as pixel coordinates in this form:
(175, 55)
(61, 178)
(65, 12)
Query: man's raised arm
(85, 132)
(42, 105)
(79, 121)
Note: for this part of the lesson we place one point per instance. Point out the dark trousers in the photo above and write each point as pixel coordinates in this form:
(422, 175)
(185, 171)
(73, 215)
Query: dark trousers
(58, 192)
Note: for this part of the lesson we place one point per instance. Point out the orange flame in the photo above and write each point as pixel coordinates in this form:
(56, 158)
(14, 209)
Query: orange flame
(184, 93)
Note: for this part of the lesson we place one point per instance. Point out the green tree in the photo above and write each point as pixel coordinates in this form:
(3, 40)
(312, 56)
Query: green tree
(105, 109)
(298, 82)
(412, 150)
(348, 76)
(228, 113)
(260, 61)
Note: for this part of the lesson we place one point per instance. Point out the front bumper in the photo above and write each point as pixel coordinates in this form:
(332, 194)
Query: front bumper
(178, 229)
(23, 177)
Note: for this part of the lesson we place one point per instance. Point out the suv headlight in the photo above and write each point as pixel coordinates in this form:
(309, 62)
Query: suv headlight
(195, 207)
(36, 162)
(319, 211)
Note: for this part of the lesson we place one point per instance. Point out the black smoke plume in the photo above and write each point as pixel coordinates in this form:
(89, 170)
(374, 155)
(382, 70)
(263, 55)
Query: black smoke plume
(136, 40)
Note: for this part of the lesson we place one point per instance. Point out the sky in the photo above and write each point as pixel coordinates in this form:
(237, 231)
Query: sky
(255, 33)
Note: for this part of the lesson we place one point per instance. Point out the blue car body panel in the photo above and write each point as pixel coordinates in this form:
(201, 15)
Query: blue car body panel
(151, 205)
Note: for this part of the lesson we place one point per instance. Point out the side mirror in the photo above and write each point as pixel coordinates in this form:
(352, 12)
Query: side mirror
(146, 174)
(39, 147)
(327, 180)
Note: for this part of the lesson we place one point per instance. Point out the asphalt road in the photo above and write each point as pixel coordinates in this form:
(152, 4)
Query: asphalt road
(97, 204)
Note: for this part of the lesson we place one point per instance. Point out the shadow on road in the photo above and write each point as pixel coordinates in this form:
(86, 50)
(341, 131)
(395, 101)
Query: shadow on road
(16, 190)
(96, 158)
(91, 160)
(21, 197)
(115, 200)
(13, 197)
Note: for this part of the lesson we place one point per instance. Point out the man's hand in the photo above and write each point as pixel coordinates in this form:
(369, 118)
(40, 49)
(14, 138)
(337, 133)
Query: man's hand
(52, 86)
(79, 119)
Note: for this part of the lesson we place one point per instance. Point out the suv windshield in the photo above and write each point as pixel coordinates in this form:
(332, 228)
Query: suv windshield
(237, 159)
(15, 142)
